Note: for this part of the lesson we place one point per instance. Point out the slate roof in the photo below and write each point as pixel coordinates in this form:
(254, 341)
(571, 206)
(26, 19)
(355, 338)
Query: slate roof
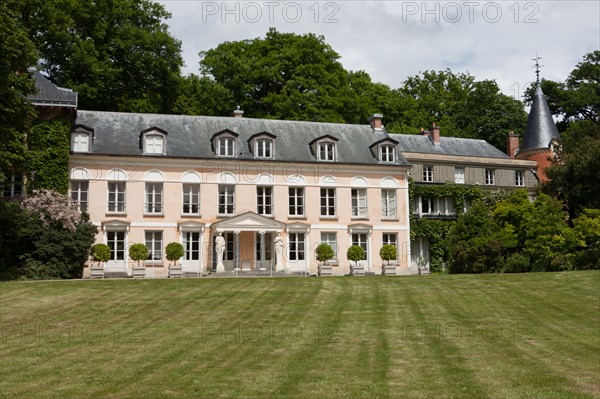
(49, 94)
(447, 146)
(540, 128)
(118, 133)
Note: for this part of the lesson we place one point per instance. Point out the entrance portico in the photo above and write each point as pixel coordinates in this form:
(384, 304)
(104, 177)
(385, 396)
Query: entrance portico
(249, 242)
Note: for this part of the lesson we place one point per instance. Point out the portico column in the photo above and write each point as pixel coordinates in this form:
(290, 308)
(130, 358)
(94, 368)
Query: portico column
(237, 248)
(262, 248)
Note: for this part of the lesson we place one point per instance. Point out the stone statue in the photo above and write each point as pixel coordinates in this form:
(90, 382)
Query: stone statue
(278, 243)
(220, 249)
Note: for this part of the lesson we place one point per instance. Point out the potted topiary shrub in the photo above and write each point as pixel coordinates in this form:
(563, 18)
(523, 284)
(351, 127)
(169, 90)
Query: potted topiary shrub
(387, 253)
(324, 253)
(138, 253)
(174, 251)
(356, 253)
(100, 253)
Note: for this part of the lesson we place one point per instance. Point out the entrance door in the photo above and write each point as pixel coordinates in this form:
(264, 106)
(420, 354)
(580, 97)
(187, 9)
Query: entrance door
(192, 259)
(297, 255)
(116, 242)
(264, 263)
(360, 239)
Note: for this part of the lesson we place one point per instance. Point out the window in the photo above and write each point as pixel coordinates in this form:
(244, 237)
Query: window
(326, 151)
(459, 175)
(489, 177)
(387, 153)
(388, 204)
(296, 245)
(13, 186)
(154, 198)
(427, 206)
(191, 245)
(226, 199)
(360, 239)
(359, 202)
(331, 240)
(264, 200)
(328, 202)
(390, 239)
(428, 173)
(154, 244)
(519, 178)
(154, 144)
(296, 200)
(191, 199)
(79, 194)
(116, 242)
(268, 245)
(264, 148)
(226, 147)
(438, 205)
(116, 197)
(81, 142)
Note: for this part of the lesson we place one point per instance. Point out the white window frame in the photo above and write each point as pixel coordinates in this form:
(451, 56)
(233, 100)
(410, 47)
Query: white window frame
(190, 252)
(153, 204)
(264, 200)
(117, 190)
(263, 148)
(326, 151)
(459, 175)
(154, 144)
(226, 200)
(81, 141)
(13, 187)
(330, 238)
(80, 194)
(296, 201)
(387, 153)
(191, 199)
(385, 239)
(226, 146)
(489, 177)
(519, 178)
(297, 246)
(154, 242)
(113, 243)
(329, 209)
(359, 203)
(389, 203)
(428, 173)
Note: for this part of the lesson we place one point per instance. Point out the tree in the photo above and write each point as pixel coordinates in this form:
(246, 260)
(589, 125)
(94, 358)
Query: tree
(17, 55)
(118, 54)
(100, 253)
(355, 253)
(174, 251)
(201, 95)
(324, 253)
(138, 253)
(388, 252)
(587, 231)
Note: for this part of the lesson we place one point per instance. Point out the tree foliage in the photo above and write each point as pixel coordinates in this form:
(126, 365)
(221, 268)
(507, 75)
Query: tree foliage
(355, 253)
(138, 252)
(324, 252)
(17, 55)
(100, 253)
(118, 54)
(388, 252)
(174, 251)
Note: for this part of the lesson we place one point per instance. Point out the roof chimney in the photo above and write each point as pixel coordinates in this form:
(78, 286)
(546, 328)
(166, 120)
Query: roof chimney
(375, 121)
(512, 144)
(434, 133)
(237, 112)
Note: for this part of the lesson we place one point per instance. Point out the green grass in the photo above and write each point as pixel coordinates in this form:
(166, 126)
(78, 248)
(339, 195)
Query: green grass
(476, 336)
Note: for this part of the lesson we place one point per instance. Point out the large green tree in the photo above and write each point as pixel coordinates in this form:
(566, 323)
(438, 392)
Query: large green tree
(118, 54)
(17, 54)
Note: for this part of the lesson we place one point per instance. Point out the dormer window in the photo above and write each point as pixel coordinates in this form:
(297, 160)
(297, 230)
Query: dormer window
(326, 151)
(264, 148)
(226, 147)
(81, 139)
(153, 141)
(387, 153)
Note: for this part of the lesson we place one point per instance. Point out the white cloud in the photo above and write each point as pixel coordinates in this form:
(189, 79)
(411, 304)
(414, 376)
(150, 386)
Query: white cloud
(392, 40)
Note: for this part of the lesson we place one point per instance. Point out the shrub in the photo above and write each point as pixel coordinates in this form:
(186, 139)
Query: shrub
(324, 253)
(516, 263)
(174, 251)
(355, 253)
(100, 253)
(388, 252)
(138, 252)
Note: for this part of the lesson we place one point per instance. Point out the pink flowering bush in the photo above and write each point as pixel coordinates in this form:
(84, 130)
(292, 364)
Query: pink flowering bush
(52, 206)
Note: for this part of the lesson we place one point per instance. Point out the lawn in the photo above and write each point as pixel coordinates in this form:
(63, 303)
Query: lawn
(442, 336)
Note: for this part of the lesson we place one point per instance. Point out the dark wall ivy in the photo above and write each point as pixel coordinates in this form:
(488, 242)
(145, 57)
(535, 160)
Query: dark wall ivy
(48, 155)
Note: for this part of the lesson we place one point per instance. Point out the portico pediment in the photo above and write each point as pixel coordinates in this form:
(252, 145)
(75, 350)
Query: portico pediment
(248, 221)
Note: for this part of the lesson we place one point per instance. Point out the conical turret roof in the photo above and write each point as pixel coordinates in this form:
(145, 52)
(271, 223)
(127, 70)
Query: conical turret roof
(540, 128)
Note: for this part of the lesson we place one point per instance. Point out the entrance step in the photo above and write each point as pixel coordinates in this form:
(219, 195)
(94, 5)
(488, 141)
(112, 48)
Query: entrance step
(116, 275)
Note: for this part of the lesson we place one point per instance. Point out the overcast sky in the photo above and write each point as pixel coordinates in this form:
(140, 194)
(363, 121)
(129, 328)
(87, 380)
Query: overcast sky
(392, 40)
